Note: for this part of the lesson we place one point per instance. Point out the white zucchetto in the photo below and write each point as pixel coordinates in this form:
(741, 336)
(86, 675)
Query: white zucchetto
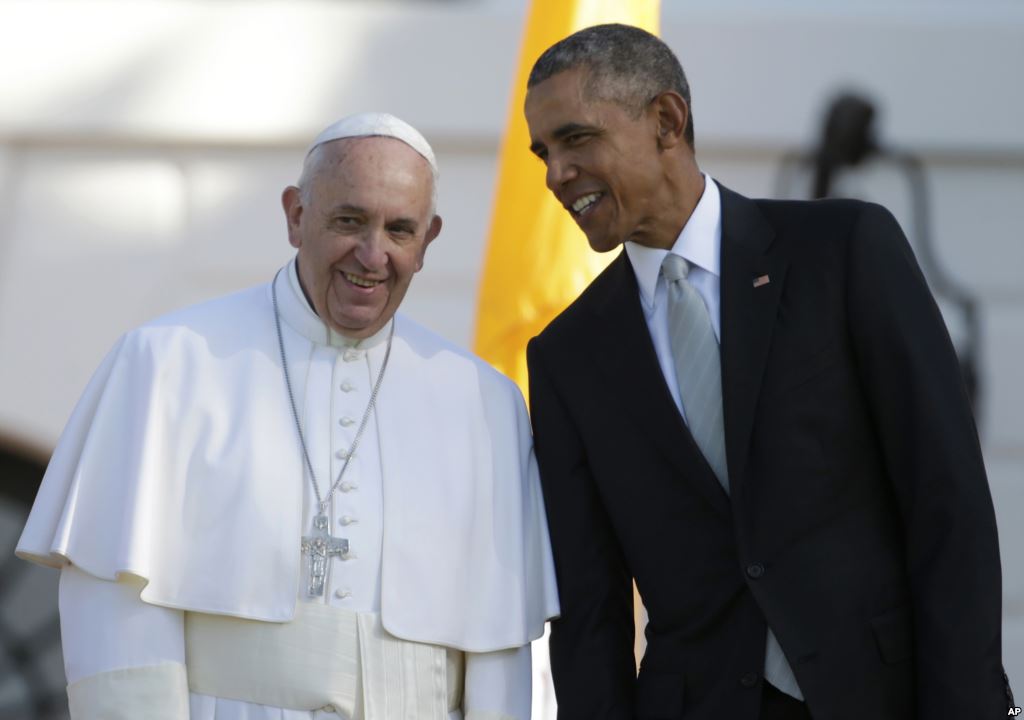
(376, 124)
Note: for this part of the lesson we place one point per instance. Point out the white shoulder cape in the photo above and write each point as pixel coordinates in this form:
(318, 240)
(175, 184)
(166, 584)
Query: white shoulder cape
(180, 465)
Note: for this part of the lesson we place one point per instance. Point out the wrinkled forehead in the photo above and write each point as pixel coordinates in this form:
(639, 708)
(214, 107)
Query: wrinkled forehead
(371, 171)
(367, 126)
(355, 166)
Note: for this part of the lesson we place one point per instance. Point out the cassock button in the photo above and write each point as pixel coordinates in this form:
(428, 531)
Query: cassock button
(350, 355)
(346, 422)
(347, 487)
(755, 571)
(328, 708)
(347, 386)
(749, 680)
(342, 594)
(341, 454)
(346, 520)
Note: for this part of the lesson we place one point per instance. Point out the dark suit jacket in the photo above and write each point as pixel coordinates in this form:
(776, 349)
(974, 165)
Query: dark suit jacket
(860, 525)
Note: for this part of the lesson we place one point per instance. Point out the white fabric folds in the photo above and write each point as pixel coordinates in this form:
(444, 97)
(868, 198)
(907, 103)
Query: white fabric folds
(327, 656)
(181, 465)
(155, 692)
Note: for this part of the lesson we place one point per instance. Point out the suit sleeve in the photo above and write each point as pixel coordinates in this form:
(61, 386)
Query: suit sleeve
(591, 644)
(912, 379)
(123, 658)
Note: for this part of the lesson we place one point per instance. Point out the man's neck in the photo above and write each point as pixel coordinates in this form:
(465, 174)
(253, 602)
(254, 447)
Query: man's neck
(682, 193)
(689, 190)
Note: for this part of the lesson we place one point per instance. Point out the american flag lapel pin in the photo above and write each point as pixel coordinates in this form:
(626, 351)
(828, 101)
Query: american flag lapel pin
(761, 280)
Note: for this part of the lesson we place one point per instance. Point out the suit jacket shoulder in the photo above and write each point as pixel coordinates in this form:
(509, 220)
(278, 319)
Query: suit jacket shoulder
(829, 221)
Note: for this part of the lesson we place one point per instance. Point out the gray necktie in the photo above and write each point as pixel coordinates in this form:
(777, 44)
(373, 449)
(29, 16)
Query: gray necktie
(698, 371)
(699, 375)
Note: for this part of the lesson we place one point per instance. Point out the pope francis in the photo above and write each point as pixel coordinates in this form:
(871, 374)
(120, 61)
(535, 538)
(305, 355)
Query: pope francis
(293, 502)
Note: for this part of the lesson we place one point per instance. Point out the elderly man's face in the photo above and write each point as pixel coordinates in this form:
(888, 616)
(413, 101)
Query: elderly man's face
(361, 228)
(603, 166)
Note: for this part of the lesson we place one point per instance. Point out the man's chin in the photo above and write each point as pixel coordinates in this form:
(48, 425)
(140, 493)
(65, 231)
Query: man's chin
(602, 243)
(357, 317)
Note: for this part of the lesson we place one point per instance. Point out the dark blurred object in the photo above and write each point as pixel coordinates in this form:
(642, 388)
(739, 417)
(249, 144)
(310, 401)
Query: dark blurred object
(32, 685)
(847, 141)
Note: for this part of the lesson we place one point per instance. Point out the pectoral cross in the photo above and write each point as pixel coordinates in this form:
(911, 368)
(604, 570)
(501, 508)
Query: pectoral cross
(319, 546)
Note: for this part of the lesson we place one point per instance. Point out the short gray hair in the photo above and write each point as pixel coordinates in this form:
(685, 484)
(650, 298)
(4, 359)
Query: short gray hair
(624, 64)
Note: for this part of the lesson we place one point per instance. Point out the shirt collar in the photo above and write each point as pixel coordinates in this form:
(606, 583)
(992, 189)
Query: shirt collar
(296, 311)
(699, 243)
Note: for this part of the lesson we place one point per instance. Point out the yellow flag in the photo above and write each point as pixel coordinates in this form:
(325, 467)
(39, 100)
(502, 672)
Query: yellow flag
(537, 260)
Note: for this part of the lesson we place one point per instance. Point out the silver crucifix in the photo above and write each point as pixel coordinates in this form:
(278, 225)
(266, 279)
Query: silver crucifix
(320, 546)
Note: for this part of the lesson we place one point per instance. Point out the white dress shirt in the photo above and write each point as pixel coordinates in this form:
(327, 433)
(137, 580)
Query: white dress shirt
(700, 244)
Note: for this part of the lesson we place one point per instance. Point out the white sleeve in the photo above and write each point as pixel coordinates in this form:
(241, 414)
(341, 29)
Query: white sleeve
(498, 685)
(123, 658)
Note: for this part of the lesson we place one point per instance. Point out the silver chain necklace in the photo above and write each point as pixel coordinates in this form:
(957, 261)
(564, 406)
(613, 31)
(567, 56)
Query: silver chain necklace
(319, 545)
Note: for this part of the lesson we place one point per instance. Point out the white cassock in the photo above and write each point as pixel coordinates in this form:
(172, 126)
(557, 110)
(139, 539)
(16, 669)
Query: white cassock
(176, 500)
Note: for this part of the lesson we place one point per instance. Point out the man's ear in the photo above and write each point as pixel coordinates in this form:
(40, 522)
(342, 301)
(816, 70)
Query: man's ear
(671, 115)
(291, 201)
(432, 232)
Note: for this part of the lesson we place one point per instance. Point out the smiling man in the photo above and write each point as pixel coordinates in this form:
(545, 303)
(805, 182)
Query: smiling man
(755, 413)
(293, 502)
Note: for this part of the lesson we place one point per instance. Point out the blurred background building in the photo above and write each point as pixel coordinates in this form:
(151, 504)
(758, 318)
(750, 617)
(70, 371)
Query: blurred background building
(144, 146)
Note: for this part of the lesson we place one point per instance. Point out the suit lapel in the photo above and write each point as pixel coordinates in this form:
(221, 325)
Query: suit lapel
(627, 358)
(748, 318)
